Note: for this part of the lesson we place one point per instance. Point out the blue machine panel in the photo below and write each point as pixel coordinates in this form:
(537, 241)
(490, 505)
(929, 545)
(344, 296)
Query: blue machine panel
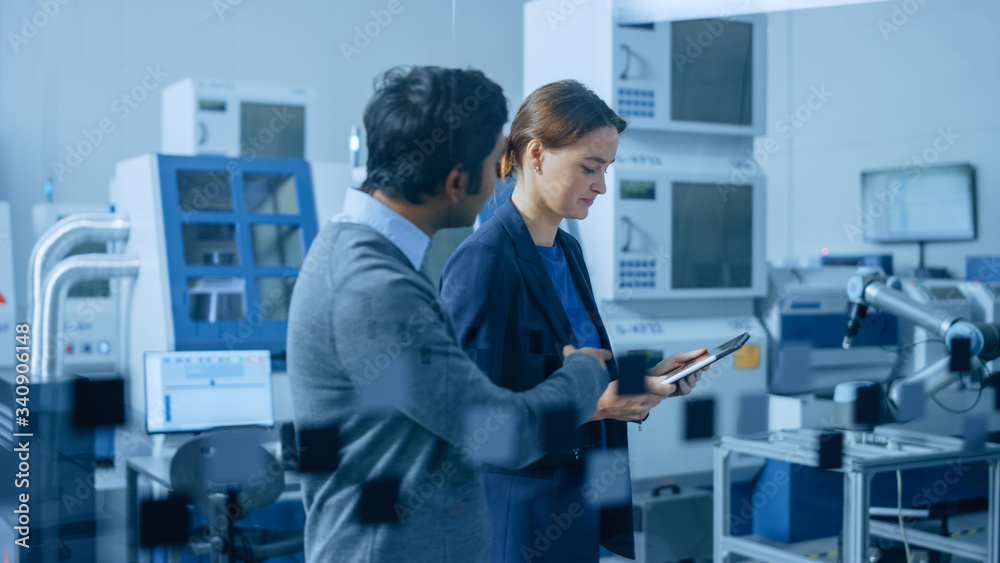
(793, 503)
(827, 330)
(883, 261)
(236, 231)
(983, 268)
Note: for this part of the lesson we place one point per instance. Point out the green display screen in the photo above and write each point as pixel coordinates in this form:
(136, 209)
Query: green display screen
(638, 190)
(212, 105)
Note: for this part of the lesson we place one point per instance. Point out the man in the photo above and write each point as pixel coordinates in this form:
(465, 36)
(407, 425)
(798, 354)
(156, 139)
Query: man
(373, 358)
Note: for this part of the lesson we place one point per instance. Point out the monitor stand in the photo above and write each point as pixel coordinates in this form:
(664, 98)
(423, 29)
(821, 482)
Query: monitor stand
(925, 272)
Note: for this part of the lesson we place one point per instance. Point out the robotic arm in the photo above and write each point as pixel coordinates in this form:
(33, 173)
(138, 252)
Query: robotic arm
(871, 288)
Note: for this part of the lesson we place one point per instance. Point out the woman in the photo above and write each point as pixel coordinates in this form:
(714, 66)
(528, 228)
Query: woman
(519, 290)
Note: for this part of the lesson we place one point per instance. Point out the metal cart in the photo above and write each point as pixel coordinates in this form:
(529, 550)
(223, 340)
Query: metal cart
(864, 455)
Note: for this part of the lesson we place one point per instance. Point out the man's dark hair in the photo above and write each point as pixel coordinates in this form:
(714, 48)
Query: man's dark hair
(424, 121)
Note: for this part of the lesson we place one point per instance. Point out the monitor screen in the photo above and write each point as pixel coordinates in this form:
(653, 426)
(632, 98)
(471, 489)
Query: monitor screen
(933, 204)
(198, 391)
(712, 236)
(284, 125)
(712, 82)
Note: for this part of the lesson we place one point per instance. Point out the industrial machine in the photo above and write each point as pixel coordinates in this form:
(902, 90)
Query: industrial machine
(680, 234)
(703, 76)
(918, 345)
(983, 268)
(840, 482)
(58, 430)
(91, 329)
(984, 300)
(983, 292)
(804, 315)
(968, 344)
(221, 241)
(238, 119)
(242, 119)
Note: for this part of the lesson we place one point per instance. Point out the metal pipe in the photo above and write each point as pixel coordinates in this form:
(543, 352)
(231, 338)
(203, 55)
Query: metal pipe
(898, 303)
(65, 274)
(124, 295)
(60, 240)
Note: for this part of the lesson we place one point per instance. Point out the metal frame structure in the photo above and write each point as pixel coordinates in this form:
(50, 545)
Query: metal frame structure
(870, 453)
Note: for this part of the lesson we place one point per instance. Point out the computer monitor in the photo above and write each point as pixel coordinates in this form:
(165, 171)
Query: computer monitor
(199, 391)
(919, 205)
(712, 239)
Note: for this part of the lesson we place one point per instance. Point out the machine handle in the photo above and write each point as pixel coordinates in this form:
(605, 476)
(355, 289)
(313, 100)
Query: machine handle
(672, 486)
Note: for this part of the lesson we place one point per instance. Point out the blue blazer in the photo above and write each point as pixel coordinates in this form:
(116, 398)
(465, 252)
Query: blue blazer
(511, 322)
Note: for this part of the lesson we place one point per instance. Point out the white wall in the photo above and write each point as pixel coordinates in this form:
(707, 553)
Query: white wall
(66, 78)
(893, 91)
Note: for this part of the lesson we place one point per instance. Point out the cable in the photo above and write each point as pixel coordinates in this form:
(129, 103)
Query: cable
(248, 554)
(899, 503)
(979, 396)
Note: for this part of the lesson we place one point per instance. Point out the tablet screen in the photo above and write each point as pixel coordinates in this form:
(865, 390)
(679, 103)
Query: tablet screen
(707, 358)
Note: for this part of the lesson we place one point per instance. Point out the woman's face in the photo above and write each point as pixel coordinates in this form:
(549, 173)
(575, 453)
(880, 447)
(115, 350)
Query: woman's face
(573, 176)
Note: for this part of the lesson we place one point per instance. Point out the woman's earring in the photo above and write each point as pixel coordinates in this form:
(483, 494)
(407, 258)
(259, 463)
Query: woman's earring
(537, 171)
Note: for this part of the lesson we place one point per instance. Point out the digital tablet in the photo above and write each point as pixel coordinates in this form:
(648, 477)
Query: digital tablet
(706, 359)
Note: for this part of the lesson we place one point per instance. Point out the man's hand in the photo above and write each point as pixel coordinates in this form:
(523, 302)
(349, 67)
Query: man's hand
(678, 388)
(600, 355)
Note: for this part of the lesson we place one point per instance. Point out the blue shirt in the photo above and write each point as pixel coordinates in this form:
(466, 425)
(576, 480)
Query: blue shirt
(363, 209)
(583, 327)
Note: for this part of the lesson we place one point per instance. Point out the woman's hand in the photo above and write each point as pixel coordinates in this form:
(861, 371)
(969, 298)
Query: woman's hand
(637, 407)
(678, 388)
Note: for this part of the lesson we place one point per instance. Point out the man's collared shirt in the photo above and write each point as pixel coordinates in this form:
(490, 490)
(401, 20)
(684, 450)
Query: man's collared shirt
(363, 209)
